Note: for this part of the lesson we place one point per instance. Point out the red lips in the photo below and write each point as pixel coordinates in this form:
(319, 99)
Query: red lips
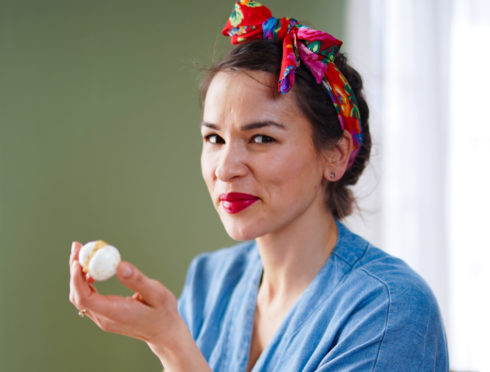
(235, 202)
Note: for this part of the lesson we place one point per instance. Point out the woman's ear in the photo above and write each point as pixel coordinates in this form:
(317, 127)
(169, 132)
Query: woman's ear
(337, 158)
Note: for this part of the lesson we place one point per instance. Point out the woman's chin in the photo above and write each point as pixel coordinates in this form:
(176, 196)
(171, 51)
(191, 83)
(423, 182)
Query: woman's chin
(241, 233)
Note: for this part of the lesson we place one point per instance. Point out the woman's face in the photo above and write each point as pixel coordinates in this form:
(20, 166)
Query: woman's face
(258, 158)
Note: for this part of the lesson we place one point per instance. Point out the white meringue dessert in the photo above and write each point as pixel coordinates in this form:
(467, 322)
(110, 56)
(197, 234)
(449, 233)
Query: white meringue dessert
(99, 260)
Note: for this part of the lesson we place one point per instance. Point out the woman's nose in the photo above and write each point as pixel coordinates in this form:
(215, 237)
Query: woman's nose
(231, 164)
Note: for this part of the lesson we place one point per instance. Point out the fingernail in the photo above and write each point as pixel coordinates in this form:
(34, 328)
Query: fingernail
(126, 271)
(72, 246)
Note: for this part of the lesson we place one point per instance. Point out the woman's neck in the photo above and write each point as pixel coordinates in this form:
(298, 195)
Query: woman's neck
(292, 257)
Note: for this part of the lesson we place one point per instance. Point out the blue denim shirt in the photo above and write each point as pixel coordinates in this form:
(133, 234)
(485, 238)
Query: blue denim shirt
(364, 311)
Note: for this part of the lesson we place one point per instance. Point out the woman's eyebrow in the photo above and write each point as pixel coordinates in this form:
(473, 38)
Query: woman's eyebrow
(262, 124)
(246, 127)
(209, 125)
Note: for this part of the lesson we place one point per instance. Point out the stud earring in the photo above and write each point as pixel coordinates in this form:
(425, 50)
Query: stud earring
(332, 175)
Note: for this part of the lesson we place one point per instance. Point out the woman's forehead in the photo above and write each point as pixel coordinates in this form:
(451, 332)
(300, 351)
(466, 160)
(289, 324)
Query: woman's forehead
(242, 101)
(258, 82)
(246, 93)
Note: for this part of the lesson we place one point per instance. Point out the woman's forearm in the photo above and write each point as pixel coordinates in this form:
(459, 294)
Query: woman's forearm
(182, 354)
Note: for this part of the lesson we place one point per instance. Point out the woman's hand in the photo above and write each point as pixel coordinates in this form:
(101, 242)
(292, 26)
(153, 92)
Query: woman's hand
(150, 314)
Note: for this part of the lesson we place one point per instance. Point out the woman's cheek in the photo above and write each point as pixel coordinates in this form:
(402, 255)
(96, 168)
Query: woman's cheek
(207, 169)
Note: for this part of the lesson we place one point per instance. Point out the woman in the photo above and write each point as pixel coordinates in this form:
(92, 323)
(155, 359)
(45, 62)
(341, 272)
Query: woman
(285, 131)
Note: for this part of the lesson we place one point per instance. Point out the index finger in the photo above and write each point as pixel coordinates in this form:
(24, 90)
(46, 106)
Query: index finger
(75, 249)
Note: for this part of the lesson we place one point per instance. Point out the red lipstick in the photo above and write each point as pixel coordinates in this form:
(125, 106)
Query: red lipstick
(235, 202)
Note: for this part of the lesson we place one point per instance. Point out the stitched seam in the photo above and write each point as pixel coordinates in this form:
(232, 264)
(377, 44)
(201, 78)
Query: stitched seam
(356, 261)
(387, 315)
(425, 339)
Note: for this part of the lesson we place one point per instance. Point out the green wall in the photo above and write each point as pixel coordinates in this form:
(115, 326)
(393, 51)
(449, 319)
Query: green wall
(99, 139)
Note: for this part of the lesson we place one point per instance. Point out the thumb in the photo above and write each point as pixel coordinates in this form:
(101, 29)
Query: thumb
(151, 291)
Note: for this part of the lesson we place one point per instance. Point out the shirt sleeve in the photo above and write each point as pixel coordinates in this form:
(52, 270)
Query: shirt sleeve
(399, 330)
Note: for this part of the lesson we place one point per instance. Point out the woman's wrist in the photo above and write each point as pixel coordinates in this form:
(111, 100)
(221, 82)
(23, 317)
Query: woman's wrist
(179, 352)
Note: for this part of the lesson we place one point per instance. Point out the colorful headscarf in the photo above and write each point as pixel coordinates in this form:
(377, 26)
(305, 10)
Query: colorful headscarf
(251, 20)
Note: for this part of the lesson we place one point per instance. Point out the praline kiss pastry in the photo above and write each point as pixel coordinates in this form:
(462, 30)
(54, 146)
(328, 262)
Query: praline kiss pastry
(99, 260)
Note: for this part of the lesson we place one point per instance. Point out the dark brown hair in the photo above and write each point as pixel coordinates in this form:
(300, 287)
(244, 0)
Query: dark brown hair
(316, 105)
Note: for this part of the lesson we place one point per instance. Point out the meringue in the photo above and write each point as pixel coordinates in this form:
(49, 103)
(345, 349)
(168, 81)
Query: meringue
(99, 260)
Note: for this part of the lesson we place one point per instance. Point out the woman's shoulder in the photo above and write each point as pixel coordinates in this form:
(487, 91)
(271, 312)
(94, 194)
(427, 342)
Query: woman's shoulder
(395, 275)
(372, 270)
(387, 301)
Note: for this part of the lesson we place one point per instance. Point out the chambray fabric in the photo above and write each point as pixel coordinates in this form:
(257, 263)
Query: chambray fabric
(364, 311)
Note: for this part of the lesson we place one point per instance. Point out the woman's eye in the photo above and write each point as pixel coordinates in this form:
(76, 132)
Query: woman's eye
(214, 138)
(260, 138)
